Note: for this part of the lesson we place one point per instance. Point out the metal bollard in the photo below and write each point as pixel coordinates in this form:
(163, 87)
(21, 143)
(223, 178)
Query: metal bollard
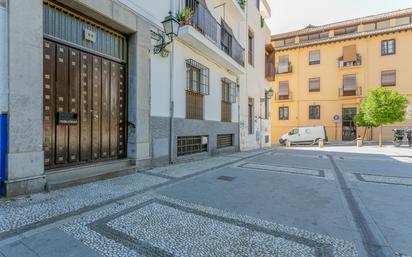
(320, 143)
(359, 142)
(287, 143)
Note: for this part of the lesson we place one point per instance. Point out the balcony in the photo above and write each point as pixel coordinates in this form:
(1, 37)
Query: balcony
(349, 64)
(233, 9)
(204, 34)
(284, 69)
(352, 92)
(283, 97)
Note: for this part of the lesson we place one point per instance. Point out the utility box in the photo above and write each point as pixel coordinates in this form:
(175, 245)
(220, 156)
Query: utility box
(3, 150)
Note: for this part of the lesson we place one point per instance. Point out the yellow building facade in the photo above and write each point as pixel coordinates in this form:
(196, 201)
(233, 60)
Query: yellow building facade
(323, 73)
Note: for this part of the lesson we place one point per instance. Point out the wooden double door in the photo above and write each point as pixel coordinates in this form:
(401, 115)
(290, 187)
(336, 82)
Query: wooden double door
(84, 101)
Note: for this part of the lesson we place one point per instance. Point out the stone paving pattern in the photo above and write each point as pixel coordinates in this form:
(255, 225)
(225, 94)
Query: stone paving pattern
(277, 202)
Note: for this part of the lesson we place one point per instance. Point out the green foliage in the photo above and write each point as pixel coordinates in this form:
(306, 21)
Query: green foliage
(188, 13)
(360, 120)
(242, 3)
(383, 106)
(180, 16)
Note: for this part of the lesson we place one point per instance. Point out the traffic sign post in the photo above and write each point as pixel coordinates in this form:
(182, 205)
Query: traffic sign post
(336, 118)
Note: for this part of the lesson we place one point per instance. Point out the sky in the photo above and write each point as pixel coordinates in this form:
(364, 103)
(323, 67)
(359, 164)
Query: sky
(289, 15)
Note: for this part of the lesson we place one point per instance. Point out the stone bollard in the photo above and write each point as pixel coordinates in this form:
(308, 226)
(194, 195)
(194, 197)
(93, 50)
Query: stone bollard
(320, 143)
(287, 143)
(359, 142)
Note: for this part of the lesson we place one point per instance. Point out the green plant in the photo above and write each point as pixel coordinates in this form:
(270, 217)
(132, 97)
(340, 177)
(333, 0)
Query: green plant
(360, 120)
(180, 16)
(383, 106)
(188, 13)
(242, 3)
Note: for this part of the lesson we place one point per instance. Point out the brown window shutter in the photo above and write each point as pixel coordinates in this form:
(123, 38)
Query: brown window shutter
(388, 78)
(284, 88)
(349, 82)
(349, 53)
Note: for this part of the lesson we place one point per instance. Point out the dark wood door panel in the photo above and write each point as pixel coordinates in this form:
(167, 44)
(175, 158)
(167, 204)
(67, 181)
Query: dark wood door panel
(96, 107)
(85, 107)
(122, 111)
(61, 101)
(49, 52)
(74, 86)
(92, 87)
(105, 108)
(114, 108)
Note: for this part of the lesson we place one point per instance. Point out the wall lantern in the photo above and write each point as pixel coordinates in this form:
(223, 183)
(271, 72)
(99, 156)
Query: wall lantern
(270, 93)
(171, 29)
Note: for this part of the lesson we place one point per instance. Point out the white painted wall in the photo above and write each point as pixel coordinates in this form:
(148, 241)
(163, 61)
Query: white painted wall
(253, 84)
(3, 60)
(256, 83)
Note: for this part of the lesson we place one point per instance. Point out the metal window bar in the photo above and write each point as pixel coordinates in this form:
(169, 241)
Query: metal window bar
(190, 145)
(224, 140)
(199, 83)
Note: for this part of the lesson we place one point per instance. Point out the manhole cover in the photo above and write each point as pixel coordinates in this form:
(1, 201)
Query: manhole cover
(226, 178)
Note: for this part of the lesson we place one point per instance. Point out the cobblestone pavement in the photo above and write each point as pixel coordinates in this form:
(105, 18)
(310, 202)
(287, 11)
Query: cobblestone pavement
(278, 202)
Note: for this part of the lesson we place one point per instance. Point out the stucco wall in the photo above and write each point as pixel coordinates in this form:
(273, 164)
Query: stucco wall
(368, 77)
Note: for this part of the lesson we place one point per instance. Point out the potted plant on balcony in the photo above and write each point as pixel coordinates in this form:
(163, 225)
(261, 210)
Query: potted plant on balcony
(185, 17)
(188, 16)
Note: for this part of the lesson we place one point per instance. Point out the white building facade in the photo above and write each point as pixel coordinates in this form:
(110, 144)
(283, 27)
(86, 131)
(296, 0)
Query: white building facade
(85, 93)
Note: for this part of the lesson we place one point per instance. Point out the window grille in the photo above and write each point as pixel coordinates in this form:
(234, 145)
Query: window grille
(283, 113)
(191, 145)
(197, 76)
(224, 140)
(314, 112)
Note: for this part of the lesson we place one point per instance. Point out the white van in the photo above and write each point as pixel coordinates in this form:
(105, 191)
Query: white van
(304, 135)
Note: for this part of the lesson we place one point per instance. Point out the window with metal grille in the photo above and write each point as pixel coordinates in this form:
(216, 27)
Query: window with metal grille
(194, 105)
(197, 76)
(388, 78)
(191, 145)
(284, 113)
(224, 140)
(228, 97)
(314, 112)
(388, 47)
(314, 85)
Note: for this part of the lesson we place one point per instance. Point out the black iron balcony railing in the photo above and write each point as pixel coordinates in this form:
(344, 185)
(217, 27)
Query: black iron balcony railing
(350, 92)
(343, 64)
(280, 69)
(283, 97)
(204, 22)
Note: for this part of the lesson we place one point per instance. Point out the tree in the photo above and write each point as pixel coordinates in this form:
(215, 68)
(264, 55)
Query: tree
(360, 120)
(383, 106)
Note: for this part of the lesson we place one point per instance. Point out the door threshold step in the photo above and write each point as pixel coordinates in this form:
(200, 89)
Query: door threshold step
(74, 176)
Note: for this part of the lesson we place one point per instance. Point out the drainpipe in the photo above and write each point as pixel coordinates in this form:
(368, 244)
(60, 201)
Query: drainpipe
(238, 113)
(3, 93)
(171, 102)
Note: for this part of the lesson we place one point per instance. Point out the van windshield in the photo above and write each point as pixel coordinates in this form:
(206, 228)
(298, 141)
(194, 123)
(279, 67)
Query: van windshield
(294, 132)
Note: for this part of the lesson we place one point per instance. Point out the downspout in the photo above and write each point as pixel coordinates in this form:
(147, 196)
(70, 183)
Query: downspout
(238, 113)
(171, 102)
(3, 93)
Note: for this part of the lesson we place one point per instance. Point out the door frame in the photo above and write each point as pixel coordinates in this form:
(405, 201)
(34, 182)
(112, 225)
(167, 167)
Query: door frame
(53, 167)
(355, 129)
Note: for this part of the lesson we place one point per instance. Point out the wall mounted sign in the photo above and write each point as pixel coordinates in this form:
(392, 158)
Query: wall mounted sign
(336, 117)
(90, 35)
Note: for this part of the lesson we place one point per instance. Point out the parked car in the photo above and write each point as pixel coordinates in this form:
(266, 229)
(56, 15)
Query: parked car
(304, 135)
